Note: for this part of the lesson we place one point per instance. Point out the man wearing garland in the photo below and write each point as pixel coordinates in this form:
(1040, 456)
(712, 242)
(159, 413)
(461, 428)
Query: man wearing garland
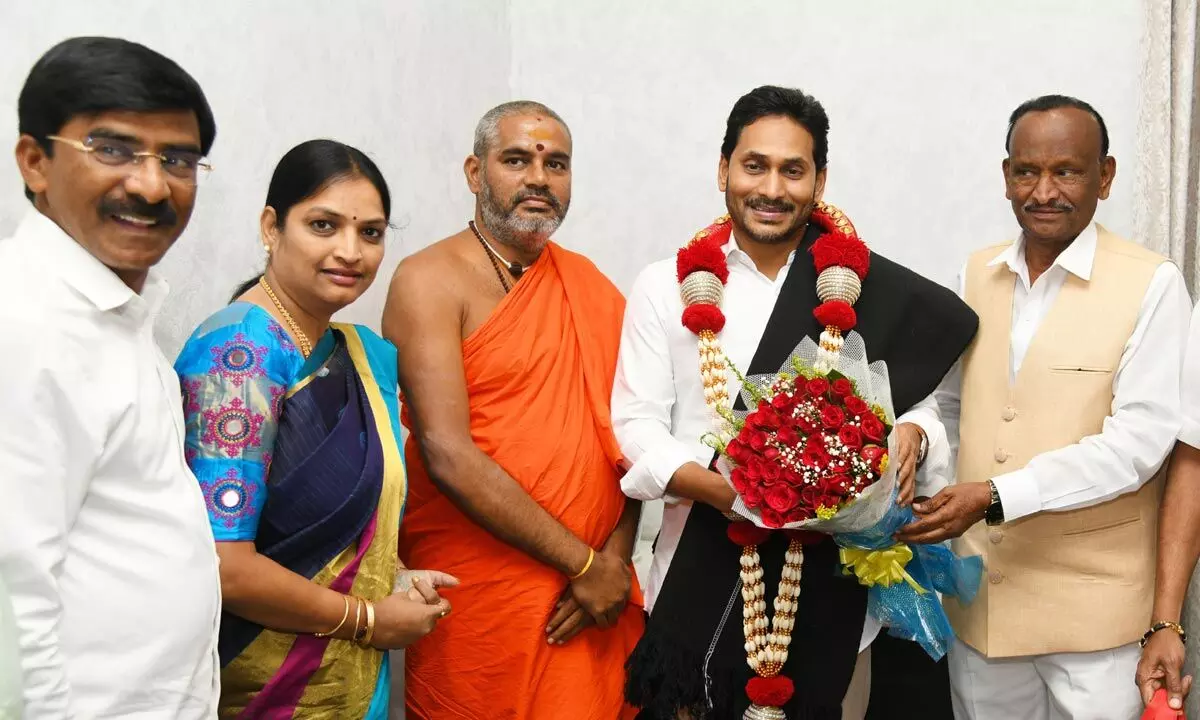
(750, 285)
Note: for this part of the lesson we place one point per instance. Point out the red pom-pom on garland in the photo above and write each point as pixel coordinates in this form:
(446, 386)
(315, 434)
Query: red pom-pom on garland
(846, 250)
(836, 313)
(747, 534)
(770, 692)
(703, 316)
(705, 255)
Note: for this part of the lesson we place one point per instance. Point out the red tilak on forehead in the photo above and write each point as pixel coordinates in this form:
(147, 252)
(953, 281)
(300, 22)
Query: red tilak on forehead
(540, 147)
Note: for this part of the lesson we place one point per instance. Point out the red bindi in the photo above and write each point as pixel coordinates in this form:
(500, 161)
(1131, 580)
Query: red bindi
(540, 147)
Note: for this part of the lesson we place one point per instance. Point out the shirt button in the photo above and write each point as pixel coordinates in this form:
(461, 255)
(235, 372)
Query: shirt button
(995, 578)
(1001, 455)
(1009, 413)
(323, 372)
(995, 536)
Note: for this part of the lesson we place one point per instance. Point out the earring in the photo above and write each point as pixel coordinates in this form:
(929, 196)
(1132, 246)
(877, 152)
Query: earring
(266, 248)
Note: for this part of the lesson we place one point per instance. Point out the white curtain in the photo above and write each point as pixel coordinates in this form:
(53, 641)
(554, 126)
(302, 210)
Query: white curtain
(1167, 175)
(1167, 159)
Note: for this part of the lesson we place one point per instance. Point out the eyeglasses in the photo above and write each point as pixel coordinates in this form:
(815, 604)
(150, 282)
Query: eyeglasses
(184, 165)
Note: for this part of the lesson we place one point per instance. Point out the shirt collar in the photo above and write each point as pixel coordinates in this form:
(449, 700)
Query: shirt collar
(1076, 259)
(82, 271)
(735, 253)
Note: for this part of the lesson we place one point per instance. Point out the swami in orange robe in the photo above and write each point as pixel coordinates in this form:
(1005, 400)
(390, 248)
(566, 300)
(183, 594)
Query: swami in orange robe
(539, 372)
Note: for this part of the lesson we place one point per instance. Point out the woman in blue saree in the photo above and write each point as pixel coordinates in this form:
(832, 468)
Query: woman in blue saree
(293, 434)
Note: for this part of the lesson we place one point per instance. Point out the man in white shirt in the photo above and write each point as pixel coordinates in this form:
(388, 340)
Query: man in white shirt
(1066, 406)
(692, 658)
(104, 542)
(1161, 665)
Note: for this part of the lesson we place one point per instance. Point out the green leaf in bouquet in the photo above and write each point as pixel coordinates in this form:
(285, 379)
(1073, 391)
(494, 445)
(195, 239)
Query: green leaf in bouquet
(714, 441)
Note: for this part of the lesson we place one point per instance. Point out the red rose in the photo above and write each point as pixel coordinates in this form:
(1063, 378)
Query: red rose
(835, 484)
(781, 498)
(757, 441)
(754, 470)
(810, 495)
(814, 454)
(738, 478)
(831, 499)
(781, 402)
(738, 452)
(798, 514)
(771, 453)
(872, 427)
(873, 455)
(793, 478)
(832, 417)
(851, 437)
(771, 518)
(787, 436)
(842, 388)
(771, 473)
(856, 406)
(806, 425)
(817, 387)
(753, 496)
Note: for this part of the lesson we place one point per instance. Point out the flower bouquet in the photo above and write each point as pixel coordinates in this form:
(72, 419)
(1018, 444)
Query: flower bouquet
(811, 456)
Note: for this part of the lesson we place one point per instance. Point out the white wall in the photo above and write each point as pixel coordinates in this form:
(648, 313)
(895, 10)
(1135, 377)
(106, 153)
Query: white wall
(918, 93)
(403, 81)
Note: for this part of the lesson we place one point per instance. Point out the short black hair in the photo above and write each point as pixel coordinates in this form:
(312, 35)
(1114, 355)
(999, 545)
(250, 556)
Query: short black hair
(1055, 102)
(770, 100)
(89, 75)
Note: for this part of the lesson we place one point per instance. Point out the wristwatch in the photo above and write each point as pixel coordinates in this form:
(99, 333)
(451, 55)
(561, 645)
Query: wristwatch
(923, 450)
(994, 514)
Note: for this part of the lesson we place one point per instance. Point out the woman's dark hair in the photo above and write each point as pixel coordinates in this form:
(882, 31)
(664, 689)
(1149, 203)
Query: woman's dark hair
(89, 75)
(771, 100)
(309, 168)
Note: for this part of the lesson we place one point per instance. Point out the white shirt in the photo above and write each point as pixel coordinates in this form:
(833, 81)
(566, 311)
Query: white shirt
(658, 406)
(1145, 418)
(104, 540)
(1189, 391)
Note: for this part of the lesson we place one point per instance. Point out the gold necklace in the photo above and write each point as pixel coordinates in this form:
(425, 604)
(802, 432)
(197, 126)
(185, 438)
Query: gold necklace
(301, 338)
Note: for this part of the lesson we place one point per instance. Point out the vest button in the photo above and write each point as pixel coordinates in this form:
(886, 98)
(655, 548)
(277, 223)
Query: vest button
(995, 578)
(995, 536)
(1001, 455)
(1009, 413)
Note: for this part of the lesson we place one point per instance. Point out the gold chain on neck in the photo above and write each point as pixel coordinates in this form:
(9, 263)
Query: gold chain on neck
(301, 338)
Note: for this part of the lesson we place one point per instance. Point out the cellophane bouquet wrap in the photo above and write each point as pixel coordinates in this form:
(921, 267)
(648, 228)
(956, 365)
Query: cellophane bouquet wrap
(811, 453)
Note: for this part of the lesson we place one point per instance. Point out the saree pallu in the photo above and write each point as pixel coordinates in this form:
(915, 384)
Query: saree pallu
(336, 488)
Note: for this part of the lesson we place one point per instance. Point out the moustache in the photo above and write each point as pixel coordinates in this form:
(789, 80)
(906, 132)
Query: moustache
(769, 206)
(546, 195)
(1051, 207)
(161, 212)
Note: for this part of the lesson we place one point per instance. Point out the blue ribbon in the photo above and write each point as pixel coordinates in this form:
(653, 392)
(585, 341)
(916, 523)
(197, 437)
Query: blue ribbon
(907, 613)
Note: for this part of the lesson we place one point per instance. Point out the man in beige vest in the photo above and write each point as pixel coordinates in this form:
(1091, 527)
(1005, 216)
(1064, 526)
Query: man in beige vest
(1161, 665)
(1066, 404)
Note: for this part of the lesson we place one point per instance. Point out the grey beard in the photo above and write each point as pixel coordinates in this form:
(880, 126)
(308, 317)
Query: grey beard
(510, 229)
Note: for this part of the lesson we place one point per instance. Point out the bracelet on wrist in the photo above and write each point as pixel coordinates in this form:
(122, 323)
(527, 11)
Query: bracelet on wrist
(1164, 625)
(587, 566)
(345, 615)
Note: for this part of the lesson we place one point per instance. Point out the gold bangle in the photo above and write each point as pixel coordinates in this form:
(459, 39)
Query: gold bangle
(587, 566)
(357, 618)
(345, 614)
(370, 631)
